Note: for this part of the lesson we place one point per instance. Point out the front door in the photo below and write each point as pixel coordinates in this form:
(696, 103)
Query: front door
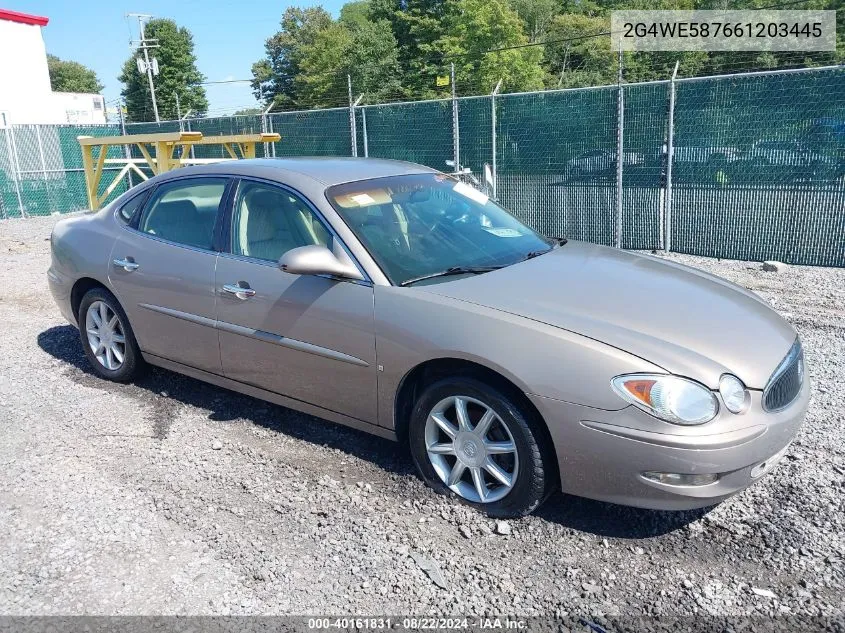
(306, 337)
(163, 272)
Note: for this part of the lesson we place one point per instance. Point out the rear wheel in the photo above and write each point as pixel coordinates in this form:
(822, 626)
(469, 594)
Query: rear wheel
(107, 337)
(471, 440)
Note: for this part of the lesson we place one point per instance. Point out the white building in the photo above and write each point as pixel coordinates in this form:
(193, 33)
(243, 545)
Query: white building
(25, 94)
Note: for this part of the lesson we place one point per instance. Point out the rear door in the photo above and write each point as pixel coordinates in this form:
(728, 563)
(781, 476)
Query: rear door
(162, 270)
(303, 336)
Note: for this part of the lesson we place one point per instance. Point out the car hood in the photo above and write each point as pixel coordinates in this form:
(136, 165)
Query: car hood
(686, 321)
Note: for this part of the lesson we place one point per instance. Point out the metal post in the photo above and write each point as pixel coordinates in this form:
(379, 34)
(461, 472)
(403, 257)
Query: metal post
(179, 112)
(364, 126)
(272, 145)
(352, 131)
(13, 160)
(265, 126)
(188, 123)
(126, 152)
(493, 136)
(456, 137)
(670, 158)
(620, 154)
(43, 162)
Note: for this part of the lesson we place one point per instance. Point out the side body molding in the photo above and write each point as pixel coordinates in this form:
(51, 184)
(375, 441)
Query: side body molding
(267, 337)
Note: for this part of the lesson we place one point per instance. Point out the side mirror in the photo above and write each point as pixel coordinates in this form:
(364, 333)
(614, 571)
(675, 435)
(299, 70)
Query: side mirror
(317, 260)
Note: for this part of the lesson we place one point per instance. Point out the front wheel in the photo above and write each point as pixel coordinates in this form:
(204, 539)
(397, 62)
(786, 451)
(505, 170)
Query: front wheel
(471, 440)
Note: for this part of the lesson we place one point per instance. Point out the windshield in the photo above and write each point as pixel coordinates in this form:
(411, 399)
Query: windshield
(424, 224)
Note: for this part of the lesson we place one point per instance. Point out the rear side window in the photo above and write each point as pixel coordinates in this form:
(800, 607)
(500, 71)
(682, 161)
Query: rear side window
(127, 211)
(184, 211)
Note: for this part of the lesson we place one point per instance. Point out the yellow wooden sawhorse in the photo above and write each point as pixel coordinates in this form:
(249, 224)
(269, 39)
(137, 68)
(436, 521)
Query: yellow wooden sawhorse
(158, 154)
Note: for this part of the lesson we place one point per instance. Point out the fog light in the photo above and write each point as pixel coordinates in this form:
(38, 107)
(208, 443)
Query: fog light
(677, 479)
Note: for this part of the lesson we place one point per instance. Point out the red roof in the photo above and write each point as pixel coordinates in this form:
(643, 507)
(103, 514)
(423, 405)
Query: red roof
(23, 18)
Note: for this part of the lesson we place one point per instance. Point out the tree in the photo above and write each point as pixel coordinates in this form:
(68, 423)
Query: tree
(309, 59)
(365, 51)
(322, 79)
(477, 31)
(374, 61)
(579, 51)
(178, 74)
(536, 15)
(275, 76)
(418, 26)
(573, 58)
(68, 76)
(247, 111)
(356, 12)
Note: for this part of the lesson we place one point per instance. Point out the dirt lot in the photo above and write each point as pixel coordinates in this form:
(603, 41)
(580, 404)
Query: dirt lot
(172, 496)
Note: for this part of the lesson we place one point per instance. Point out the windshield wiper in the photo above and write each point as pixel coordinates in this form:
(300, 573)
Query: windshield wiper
(454, 270)
(558, 241)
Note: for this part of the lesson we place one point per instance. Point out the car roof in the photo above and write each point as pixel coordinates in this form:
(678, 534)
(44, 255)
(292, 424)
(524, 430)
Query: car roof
(327, 170)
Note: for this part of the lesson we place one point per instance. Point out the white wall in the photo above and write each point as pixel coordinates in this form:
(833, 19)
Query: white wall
(25, 94)
(80, 107)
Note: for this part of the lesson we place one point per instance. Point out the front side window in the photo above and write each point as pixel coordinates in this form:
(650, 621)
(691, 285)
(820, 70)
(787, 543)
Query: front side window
(423, 224)
(184, 211)
(269, 221)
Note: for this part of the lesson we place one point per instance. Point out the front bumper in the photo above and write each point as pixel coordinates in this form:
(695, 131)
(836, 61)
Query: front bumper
(602, 454)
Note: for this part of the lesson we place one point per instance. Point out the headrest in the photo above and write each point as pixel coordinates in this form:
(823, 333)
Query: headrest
(264, 219)
(177, 210)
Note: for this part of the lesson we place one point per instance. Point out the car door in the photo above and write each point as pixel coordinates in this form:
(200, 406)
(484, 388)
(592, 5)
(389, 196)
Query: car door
(162, 270)
(307, 337)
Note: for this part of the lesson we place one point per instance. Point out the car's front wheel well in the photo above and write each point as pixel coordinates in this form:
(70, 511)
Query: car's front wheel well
(429, 372)
(80, 288)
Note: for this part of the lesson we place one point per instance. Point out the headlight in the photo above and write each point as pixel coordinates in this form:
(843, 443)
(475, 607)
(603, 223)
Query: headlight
(670, 398)
(734, 393)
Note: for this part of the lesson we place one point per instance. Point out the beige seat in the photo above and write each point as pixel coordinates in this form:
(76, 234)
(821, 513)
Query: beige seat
(181, 222)
(263, 230)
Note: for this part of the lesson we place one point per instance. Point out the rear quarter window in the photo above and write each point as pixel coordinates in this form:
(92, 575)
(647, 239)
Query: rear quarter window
(129, 208)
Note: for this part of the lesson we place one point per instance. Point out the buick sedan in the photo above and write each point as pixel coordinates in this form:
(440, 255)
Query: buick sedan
(397, 300)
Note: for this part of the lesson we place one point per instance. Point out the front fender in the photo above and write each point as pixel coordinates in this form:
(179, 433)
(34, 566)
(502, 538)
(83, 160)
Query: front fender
(413, 327)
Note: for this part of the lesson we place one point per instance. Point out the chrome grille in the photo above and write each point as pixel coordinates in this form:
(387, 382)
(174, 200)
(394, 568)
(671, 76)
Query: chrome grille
(785, 383)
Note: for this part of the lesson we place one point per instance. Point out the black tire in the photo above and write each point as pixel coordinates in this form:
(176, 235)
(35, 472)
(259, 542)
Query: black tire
(133, 362)
(534, 479)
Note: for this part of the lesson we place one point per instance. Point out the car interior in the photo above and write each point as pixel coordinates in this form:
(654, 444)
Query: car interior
(185, 215)
(269, 222)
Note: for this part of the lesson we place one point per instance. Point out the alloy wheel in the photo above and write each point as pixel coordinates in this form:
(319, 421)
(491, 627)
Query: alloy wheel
(471, 449)
(105, 335)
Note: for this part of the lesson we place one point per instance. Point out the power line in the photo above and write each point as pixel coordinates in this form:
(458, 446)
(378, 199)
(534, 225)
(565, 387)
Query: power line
(225, 81)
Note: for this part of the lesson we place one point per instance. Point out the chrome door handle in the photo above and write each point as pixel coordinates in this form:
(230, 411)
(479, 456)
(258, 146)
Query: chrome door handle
(239, 291)
(126, 264)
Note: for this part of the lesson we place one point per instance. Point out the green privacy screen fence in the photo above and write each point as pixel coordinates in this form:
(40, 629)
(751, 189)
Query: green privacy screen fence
(747, 166)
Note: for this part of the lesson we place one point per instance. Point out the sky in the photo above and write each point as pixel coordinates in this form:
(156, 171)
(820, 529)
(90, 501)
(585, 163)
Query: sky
(228, 37)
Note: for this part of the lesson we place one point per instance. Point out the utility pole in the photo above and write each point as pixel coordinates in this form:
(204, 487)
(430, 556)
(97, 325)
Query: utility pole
(145, 44)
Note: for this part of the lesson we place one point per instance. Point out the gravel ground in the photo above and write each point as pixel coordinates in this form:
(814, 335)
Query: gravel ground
(171, 496)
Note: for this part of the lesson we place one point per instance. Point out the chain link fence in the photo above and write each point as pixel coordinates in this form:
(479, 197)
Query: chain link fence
(747, 166)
